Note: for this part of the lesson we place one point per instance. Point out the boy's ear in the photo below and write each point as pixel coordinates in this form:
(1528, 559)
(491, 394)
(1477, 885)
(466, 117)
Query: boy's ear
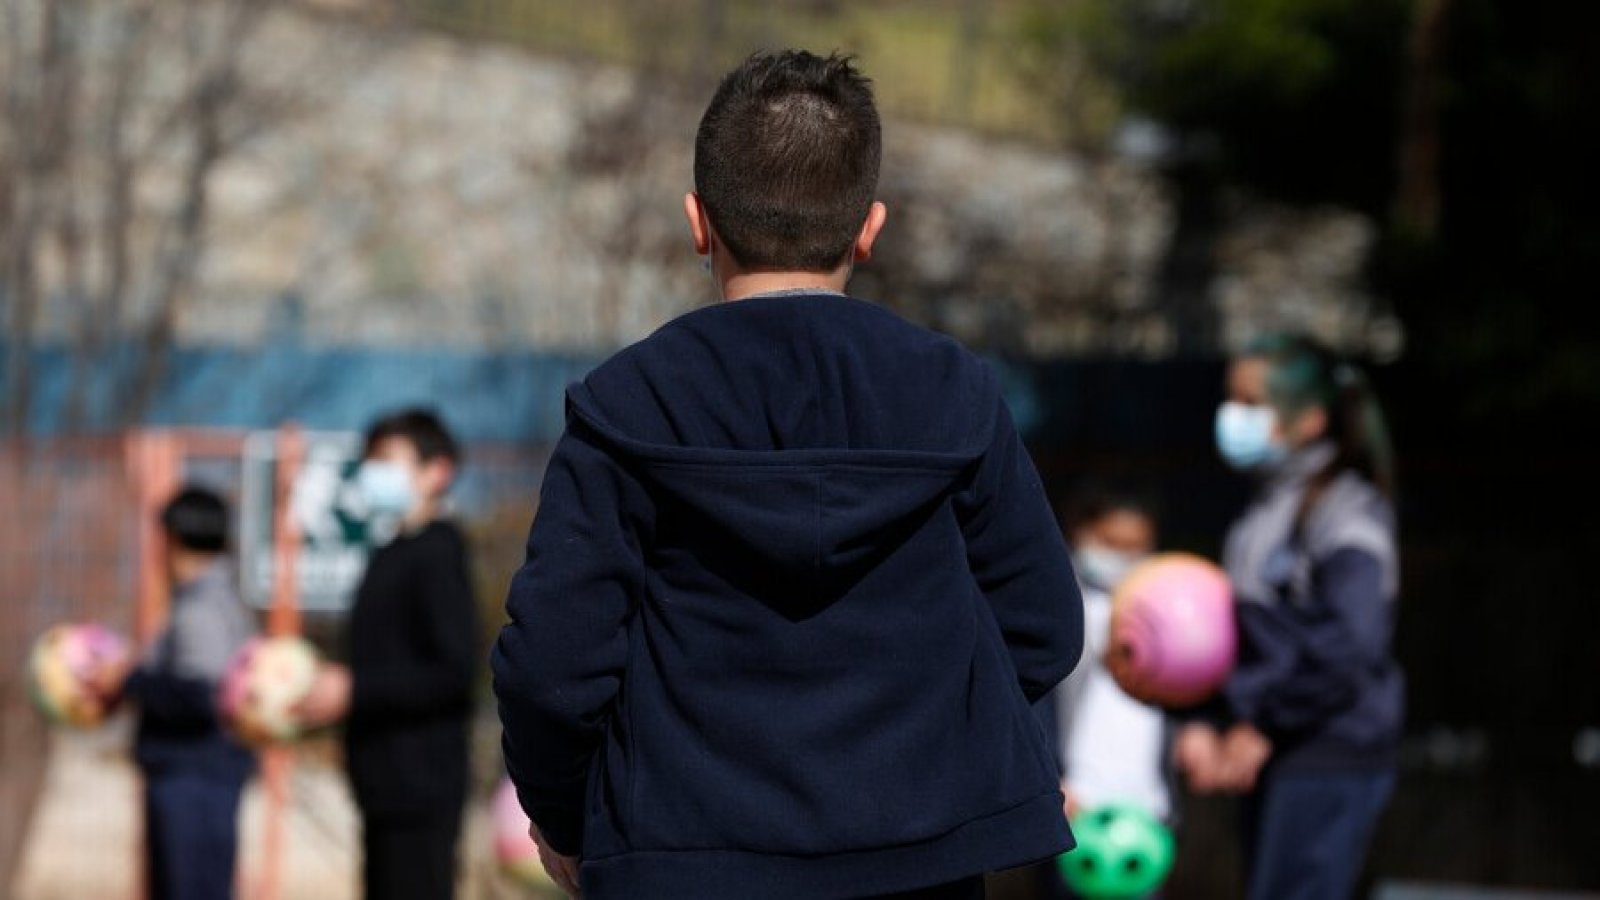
(699, 222)
(876, 216)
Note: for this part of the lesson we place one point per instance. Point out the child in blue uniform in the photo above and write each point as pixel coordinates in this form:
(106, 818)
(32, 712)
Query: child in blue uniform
(794, 584)
(1316, 701)
(193, 772)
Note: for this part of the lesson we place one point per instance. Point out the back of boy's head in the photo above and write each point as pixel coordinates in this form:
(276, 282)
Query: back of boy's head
(786, 160)
(197, 519)
(421, 428)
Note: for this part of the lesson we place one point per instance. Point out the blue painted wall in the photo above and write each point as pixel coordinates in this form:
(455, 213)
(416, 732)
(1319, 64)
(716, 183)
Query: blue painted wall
(512, 395)
(496, 396)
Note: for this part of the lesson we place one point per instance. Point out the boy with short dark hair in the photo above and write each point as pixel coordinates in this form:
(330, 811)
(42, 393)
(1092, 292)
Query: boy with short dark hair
(193, 772)
(793, 585)
(414, 656)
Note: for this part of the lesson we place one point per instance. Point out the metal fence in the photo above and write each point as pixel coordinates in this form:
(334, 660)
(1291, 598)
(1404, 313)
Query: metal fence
(78, 542)
(68, 550)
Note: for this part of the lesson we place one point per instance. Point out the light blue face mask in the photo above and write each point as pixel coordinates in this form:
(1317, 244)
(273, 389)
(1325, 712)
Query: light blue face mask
(1103, 567)
(386, 487)
(1244, 436)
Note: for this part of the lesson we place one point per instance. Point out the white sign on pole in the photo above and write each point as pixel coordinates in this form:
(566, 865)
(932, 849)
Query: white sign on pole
(328, 512)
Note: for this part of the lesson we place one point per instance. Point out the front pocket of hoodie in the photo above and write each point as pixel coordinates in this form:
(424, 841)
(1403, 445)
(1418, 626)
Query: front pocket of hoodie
(903, 735)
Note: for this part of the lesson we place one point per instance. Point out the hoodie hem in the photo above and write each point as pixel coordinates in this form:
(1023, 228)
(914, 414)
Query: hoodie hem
(1026, 833)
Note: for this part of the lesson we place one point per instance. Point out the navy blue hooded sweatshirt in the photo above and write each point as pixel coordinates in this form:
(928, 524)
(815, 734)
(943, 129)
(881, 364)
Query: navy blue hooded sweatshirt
(791, 590)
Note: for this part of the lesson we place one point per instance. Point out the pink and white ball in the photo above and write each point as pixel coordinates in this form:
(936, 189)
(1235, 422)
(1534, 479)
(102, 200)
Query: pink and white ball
(266, 679)
(60, 665)
(1173, 638)
(514, 849)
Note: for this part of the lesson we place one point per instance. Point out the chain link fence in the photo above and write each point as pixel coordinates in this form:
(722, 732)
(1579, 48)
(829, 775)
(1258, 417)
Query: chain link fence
(75, 545)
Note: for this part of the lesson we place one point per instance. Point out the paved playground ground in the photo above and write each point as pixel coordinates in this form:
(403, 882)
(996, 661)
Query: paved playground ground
(84, 838)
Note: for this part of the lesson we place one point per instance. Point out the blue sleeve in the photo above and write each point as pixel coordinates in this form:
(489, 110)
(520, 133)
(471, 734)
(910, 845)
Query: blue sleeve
(1300, 666)
(1017, 554)
(440, 679)
(559, 663)
(188, 703)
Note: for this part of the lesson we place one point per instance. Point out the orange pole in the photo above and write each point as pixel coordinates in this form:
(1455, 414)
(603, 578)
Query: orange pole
(154, 461)
(283, 618)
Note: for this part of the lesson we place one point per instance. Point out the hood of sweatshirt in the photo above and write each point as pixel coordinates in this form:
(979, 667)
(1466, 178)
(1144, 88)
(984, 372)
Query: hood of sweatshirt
(810, 431)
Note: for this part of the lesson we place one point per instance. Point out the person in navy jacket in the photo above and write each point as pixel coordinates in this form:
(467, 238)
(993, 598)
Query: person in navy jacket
(1316, 701)
(794, 585)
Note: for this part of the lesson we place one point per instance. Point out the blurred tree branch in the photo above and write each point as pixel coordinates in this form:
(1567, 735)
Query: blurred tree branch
(116, 115)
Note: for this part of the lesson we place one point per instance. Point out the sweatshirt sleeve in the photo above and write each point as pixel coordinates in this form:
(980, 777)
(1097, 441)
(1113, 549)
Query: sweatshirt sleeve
(1017, 554)
(446, 619)
(1299, 666)
(559, 662)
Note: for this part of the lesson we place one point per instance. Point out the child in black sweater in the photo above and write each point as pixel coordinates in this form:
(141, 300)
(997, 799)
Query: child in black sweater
(414, 654)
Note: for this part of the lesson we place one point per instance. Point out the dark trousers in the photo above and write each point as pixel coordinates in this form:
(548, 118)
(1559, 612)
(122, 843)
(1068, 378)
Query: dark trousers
(191, 835)
(410, 858)
(1306, 834)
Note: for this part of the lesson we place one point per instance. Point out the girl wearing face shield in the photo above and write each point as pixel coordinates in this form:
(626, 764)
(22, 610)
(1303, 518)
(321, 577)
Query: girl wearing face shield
(1308, 725)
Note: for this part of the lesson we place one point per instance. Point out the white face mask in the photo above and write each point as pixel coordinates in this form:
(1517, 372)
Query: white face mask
(387, 488)
(1104, 567)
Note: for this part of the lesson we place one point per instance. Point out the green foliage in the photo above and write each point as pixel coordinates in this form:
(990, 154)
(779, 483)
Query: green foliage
(1060, 51)
(941, 61)
(1304, 100)
(1272, 51)
(1301, 97)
